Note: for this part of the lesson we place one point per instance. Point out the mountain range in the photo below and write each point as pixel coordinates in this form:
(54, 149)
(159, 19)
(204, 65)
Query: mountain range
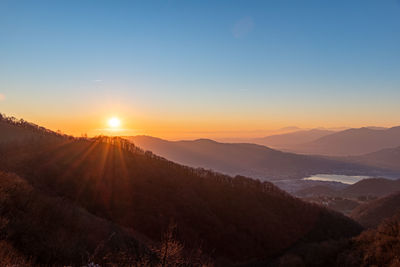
(250, 159)
(388, 158)
(351, 142)
(287, 140)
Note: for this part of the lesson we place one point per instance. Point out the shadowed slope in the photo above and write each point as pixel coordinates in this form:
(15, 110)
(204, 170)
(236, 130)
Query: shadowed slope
(317, 190)
(13, 130)
(375, 247)
(373, 213)
(51, 230)
(372, 187)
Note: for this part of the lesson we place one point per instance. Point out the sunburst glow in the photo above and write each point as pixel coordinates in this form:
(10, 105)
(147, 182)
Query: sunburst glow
(114, 122)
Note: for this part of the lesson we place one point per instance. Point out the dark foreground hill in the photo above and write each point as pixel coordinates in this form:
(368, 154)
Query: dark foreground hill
(51, 229)
(247, 159)
(13, 130)
(111, 181)
(374, 247)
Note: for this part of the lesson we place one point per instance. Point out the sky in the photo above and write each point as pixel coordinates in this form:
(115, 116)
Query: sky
(191, 69)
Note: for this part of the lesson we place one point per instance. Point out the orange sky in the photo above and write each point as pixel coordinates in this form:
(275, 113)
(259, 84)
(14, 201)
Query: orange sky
(189, 71)
(88, 114)
(179, 127)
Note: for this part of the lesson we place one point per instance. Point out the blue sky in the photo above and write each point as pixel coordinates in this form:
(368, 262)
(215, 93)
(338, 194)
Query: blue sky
(175, 66)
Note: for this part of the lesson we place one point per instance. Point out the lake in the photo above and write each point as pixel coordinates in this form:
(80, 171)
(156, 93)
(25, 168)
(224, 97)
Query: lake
(346, 179)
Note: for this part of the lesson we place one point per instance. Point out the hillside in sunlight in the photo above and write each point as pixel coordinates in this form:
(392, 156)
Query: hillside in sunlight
(248, 159)
(375, 247)
(373, 213)
(106, 187)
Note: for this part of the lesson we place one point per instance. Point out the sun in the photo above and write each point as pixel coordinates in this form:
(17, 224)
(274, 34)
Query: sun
(114, 122)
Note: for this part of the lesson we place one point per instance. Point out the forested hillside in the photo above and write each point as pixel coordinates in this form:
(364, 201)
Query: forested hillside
(62, 233)
(373, 213)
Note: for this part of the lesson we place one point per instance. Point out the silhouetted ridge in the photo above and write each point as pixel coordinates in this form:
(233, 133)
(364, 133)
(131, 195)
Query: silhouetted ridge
(14, 129)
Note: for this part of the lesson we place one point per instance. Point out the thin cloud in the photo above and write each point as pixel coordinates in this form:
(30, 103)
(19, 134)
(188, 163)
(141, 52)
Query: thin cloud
(97, 81)
(243, 27)
(2, 97)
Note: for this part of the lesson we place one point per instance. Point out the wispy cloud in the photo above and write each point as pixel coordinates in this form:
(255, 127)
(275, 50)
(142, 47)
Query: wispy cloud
(97, 81)
(2, 97)
(242, 27)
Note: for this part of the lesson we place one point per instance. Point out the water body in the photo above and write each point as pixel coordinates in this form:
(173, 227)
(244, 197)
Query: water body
(346, 179)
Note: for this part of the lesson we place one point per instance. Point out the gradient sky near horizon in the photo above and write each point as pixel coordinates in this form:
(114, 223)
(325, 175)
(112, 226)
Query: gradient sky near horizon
(190, 69)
